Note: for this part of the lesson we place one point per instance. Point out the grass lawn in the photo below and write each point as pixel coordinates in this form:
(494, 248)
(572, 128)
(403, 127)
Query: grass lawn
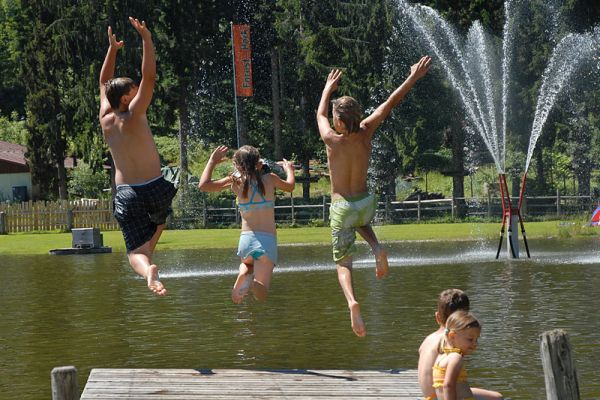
(40, 243)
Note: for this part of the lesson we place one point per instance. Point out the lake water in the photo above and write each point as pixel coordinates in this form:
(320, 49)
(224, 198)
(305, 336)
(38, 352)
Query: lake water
(93, 312)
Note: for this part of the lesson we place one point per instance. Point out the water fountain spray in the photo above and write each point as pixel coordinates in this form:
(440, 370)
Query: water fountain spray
(468, 70)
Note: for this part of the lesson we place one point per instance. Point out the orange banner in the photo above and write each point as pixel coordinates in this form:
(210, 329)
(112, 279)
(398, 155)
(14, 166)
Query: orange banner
(242, 56)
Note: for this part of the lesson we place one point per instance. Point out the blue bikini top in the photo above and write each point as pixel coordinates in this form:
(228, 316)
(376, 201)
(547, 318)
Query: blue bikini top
(253, 205)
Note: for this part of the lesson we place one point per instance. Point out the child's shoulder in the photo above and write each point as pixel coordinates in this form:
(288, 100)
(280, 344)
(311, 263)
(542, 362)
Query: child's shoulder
(431, 342)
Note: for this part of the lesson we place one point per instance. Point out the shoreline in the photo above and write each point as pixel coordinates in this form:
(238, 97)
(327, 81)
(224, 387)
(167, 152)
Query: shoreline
(215, 238)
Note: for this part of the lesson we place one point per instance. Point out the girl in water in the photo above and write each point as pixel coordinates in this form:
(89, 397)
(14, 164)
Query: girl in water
(255, 193)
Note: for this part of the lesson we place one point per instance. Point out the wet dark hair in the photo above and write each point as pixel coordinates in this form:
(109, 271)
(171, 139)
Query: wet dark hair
(116, 88)
(246, 159)
(451, 300)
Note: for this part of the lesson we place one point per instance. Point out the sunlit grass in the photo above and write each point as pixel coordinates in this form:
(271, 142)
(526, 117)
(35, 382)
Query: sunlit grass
(40, 243)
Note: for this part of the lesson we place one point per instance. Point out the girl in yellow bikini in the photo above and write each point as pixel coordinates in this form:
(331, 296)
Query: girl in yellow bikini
(255, 193)
(459, 340)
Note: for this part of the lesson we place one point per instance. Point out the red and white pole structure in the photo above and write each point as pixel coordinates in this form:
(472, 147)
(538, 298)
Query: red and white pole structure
(511, 217)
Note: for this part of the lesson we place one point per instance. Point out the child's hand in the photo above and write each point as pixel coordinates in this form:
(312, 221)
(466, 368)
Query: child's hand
(419, 69)
(112, 40)
(219, 155)
(332, 80)
(140, 27)
(288, 166)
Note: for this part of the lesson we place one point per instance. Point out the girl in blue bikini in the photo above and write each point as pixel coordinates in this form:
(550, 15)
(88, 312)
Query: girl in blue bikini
(255, 193)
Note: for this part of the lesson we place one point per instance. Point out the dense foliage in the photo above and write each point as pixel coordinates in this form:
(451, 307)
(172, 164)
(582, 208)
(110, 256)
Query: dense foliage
(51, 53)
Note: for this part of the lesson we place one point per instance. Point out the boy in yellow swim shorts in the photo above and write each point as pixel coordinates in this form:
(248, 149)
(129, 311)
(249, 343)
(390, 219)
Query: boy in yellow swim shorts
(348, 147)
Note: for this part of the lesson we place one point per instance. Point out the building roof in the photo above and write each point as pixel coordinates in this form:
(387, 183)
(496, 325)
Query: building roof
(13, 153)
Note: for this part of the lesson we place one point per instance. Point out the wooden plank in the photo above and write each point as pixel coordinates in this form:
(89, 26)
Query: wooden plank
(239, 384)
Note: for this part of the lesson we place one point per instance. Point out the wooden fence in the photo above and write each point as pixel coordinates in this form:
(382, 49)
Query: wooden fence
(58, 215)
(87, 213)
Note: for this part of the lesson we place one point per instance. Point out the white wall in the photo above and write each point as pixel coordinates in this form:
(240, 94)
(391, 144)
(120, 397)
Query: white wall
(7, 181)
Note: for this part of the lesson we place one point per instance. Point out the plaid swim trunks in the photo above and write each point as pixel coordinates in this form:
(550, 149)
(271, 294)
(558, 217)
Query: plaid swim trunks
(139, 209)
(345, 216)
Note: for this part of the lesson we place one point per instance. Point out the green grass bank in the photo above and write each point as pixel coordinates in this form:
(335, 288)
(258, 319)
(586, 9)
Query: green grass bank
(40, 243)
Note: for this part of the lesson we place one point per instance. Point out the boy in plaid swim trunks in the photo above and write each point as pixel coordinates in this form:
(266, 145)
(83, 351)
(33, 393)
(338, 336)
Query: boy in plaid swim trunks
(348, 148)
(143, 198)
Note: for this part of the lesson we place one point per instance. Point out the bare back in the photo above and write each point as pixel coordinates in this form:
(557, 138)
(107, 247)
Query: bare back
(428, 353)
(348, 161)
(132, 147)
(263, 219)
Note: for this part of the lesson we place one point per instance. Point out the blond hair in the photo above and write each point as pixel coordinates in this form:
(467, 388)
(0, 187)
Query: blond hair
(459, 320)
(349, 112)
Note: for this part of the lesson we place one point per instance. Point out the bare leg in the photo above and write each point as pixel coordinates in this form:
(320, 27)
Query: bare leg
(344, 270)
(242, 283)
(483, 394)
(263, 272)
(141, 262)
(381, 262)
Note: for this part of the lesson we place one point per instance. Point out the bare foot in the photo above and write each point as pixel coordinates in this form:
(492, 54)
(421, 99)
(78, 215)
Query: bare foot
(382, 267)
(358, 326)
(154, 283)
(242, 284)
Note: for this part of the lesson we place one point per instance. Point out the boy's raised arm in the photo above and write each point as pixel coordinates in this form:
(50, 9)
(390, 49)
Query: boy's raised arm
(108, 68)
(417, 71)
(142, 99)
(323, 111)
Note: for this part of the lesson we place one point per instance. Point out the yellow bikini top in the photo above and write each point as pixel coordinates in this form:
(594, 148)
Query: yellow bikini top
(448, 350)
(439, 373)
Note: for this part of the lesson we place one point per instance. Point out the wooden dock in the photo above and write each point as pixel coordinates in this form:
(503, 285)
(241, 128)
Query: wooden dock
(240, 384)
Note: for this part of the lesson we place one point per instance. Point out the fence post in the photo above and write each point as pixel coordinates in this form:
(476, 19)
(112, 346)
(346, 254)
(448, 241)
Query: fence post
(419, 207)
(3, 225)
(237, 214)
(559, 370)
(324, 210)
(452, 206)
(70, 219)
(292, 203)
(64, 383)
(557, 202)
(204, 213)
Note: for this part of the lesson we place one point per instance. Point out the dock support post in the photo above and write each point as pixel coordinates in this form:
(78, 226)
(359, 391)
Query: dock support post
(64, 383)
(559, 369)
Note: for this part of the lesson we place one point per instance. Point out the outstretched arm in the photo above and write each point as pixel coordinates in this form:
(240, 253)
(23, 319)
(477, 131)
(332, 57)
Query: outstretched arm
(108, 69)
(290, 179)
(142, 99)
(206, 183)
(417, 71)
(323, 110)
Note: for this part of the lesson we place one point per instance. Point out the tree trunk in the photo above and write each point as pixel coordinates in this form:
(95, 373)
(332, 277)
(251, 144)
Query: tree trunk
(305, 159)
(277, 152)
(62, 180)
(184, 124)
(458, 168)
(542, 183)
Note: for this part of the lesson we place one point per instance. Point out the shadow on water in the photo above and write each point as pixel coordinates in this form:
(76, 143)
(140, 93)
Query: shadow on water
(92, 312)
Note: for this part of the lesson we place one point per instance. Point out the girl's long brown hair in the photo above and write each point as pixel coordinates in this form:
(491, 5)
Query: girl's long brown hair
(246, 159)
